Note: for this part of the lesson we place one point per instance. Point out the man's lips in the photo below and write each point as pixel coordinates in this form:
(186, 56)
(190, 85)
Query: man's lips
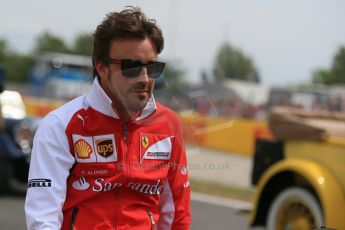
(140, 91)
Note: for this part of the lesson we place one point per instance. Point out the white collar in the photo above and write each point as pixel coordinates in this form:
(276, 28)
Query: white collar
(100, 101)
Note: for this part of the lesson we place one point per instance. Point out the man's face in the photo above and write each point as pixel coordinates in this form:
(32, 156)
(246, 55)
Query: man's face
(129, 94)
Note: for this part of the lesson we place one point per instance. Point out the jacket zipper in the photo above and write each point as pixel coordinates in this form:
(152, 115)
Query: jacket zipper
(74, 217)
(128, 162)
(151, 219)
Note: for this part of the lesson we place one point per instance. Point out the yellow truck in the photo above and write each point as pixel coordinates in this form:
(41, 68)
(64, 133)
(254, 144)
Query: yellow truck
(300, 173)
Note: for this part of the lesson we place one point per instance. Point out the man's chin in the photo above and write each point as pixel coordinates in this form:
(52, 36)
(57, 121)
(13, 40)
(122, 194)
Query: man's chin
(138, 105)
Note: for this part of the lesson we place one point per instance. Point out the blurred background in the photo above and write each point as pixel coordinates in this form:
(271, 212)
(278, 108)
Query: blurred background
(259, 87)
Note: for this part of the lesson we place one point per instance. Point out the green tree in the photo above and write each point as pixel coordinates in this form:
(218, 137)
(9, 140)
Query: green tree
(173, 75)
(338, 67)
(47, 42)
(334, 75)
(3, 50)
(231, 63)
(16, 66)
(83, 44)
(321, 76)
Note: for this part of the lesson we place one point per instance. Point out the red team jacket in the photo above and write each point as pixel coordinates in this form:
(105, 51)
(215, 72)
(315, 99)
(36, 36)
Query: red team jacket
(90, 170)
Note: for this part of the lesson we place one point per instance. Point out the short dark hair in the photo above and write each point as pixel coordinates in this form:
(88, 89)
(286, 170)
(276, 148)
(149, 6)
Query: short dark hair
(128, 24)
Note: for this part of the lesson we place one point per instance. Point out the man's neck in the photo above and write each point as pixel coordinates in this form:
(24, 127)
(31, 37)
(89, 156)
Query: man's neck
(124, 114)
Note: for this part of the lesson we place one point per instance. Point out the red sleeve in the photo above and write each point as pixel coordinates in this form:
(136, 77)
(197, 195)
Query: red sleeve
(175, 199)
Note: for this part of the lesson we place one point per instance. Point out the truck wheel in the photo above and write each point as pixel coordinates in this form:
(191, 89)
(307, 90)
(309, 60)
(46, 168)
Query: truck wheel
(294, 208)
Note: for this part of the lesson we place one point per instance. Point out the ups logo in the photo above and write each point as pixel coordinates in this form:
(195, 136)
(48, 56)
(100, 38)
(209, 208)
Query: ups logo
(105, 147)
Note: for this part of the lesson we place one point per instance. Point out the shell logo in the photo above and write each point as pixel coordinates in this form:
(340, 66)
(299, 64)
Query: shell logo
(83, 149)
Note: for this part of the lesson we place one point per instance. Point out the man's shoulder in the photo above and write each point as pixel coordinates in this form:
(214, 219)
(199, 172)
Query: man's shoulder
(167, 111)
(70, 106)
(65, 112)
(163, 108)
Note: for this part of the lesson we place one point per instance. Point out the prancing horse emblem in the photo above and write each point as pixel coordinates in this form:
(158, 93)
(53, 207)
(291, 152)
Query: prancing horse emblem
(145, 141)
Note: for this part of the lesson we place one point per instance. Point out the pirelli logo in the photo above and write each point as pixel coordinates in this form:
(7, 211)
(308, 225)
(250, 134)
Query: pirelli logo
(37, 183)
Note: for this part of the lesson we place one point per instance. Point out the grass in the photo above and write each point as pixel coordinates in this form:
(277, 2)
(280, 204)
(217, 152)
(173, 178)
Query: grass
(245, 194)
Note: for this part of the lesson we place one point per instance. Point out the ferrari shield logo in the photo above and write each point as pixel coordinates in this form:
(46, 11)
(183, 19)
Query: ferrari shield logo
(145, 141)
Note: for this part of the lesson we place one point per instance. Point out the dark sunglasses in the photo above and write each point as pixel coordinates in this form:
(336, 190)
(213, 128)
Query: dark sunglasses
(132, 68)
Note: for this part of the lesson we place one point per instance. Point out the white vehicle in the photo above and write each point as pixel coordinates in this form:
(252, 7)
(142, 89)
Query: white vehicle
(61, 76)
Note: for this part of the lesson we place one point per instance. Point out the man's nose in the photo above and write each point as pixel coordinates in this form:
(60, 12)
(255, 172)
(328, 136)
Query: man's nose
(143, 76)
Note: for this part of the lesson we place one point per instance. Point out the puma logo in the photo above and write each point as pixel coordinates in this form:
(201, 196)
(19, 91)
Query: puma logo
(82, 118)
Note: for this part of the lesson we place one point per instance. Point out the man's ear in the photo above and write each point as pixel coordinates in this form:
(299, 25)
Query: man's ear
(102, 69)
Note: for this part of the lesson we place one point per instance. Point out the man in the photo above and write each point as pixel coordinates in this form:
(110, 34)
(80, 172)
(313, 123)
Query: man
(2, 83)
(113, 158)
